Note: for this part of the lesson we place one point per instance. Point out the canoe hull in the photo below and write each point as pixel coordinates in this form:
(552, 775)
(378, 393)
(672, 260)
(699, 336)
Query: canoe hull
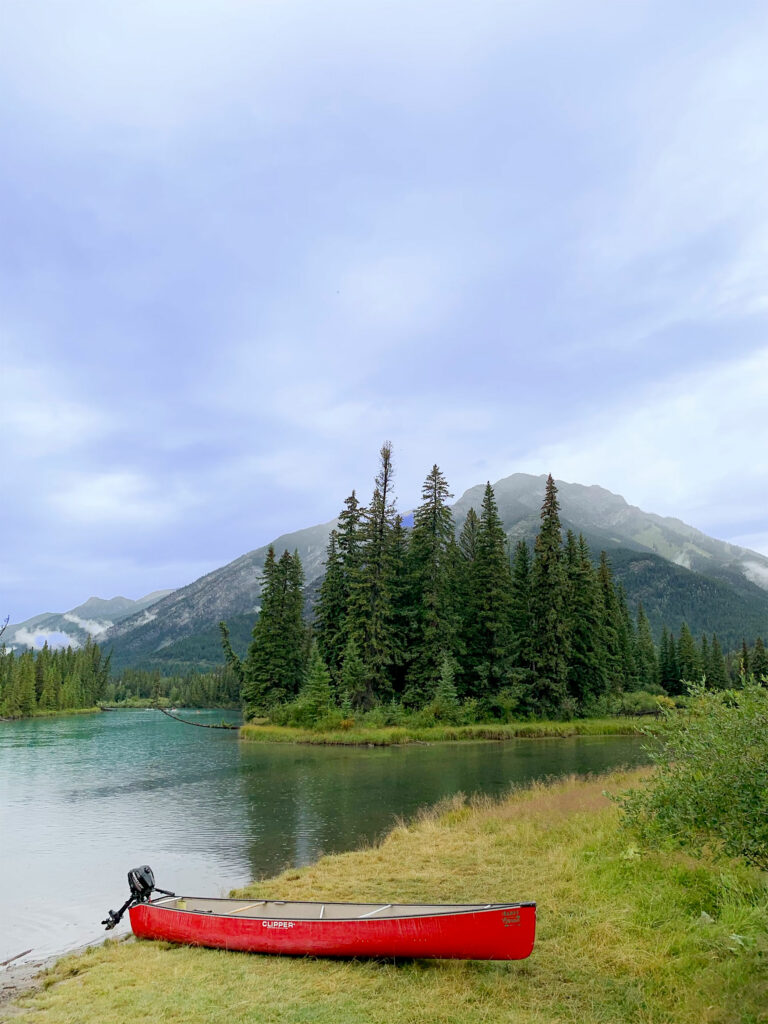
(499, 933)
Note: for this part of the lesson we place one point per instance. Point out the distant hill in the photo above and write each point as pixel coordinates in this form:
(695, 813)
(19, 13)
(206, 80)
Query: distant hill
(92, 618)
(678, 572)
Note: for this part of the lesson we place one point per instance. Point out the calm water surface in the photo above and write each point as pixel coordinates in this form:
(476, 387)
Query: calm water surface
(85, 798)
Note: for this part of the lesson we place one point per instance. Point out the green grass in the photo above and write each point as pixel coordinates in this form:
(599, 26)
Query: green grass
(621, 936)
(393, 735)
(38, 713)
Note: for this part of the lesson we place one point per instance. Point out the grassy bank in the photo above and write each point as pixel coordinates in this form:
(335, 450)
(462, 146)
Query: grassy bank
(55, 714)
(641, 938)
(392, 735)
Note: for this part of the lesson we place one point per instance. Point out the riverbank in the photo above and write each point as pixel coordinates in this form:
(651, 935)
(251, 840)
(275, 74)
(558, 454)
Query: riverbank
(623, 936)
(397, 735)
(60, 712)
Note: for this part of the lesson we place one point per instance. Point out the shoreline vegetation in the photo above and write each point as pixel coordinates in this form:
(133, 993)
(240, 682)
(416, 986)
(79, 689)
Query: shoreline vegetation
(387, 736)
(624, 934)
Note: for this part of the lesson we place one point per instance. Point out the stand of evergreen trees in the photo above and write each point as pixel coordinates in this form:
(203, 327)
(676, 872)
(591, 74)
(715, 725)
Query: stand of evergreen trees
(422, 618)
(51, 680)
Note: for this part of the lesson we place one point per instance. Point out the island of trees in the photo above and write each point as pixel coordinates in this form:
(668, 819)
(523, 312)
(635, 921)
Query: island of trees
(419, 620)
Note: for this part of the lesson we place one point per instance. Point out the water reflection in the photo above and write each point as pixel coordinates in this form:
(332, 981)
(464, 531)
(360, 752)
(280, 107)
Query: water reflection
(84, 799)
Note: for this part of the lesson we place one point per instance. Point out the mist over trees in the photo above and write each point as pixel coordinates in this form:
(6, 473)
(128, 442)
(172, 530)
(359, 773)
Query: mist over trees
(421, 618)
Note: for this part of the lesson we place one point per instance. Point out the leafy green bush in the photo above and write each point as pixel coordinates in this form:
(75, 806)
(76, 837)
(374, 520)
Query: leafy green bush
(710, 787)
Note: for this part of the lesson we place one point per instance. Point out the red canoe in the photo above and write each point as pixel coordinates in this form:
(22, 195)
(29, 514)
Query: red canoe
(494, 931)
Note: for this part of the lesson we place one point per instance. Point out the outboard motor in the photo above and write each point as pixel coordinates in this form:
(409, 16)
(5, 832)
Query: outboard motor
(141, 882)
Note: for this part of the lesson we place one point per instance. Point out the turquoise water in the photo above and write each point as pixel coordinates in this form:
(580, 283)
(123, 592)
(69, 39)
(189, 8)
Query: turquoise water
(85, 798)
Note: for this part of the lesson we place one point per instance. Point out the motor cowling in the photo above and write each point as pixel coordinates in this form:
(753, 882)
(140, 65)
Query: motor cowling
(141, 882)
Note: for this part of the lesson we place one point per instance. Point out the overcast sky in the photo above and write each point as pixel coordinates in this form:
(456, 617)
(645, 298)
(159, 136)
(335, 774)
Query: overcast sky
(242, 243)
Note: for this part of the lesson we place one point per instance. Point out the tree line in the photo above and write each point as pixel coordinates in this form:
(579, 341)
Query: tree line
(51, 679)
(418, 615)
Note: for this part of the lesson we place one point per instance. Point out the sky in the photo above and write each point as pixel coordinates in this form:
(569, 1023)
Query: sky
(244, 243)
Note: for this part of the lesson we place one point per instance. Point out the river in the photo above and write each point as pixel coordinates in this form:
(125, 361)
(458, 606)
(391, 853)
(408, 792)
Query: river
(84, 798)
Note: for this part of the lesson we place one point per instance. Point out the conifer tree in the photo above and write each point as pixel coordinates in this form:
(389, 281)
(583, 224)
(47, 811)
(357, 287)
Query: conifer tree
(717, 676)
(25, 685)
(586, 665)
(626, 642)
(487, 634)
(760, 662)
(520, 619)
(370, 609)
(316, 692)
(400, 587)
(468, 537)
(744, 659)
(274, 666)
(647, 666)
(611, 618)
(689, 664)
(331, 609)
(445, 704)
(354, 684)
(549, 609)
(429, 557)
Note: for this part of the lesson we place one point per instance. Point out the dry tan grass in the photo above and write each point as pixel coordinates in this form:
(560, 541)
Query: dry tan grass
(620, 937)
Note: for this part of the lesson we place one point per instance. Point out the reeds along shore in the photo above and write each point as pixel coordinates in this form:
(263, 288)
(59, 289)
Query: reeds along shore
(625, 936)
(395, 735)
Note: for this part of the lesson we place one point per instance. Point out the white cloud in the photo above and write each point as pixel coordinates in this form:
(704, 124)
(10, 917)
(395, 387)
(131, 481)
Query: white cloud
(118, 497)
(683, 448)
(89, 625)
(36, 638)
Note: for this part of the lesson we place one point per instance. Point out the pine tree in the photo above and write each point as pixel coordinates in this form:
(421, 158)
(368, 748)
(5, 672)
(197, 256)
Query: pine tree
(549, 609)
(429, 557)
(316, 692)
(354, 683)
(487, 634)
(520, 619)
(468, 536)
(611, 626)
(274, 666)
(744, 659)
(586, 665)
(717, 676)
(645, 656)
(626, 642)
(445, 704)
(760, 662)
(25, 685)
(331, 608)
(689, 664)
(370, 607)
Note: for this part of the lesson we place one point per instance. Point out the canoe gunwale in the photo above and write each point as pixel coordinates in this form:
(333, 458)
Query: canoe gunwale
(471, 908)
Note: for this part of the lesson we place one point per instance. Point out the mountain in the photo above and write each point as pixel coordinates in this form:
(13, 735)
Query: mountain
(678, 572)
(92, 618)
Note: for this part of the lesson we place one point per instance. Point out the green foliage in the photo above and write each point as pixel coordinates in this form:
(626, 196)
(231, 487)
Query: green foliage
(51, 680)
(710, 788)
(760, 662)
(550, 625)
(445, 703)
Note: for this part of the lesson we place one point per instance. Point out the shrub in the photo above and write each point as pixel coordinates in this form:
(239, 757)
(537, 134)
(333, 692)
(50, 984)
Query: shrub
(710, 787)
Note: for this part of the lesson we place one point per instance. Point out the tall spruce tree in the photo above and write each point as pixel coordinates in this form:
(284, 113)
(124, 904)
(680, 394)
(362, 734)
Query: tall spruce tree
(586, 665)
(717, 674)
(434, 628)
(645, 651)
(760, 662)
(612, 626)
(520, 621)
(370, 611)
(744, 663)
(689, 663)
(273, 670)
(486, 617)
(549, 609)
(331, 609)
